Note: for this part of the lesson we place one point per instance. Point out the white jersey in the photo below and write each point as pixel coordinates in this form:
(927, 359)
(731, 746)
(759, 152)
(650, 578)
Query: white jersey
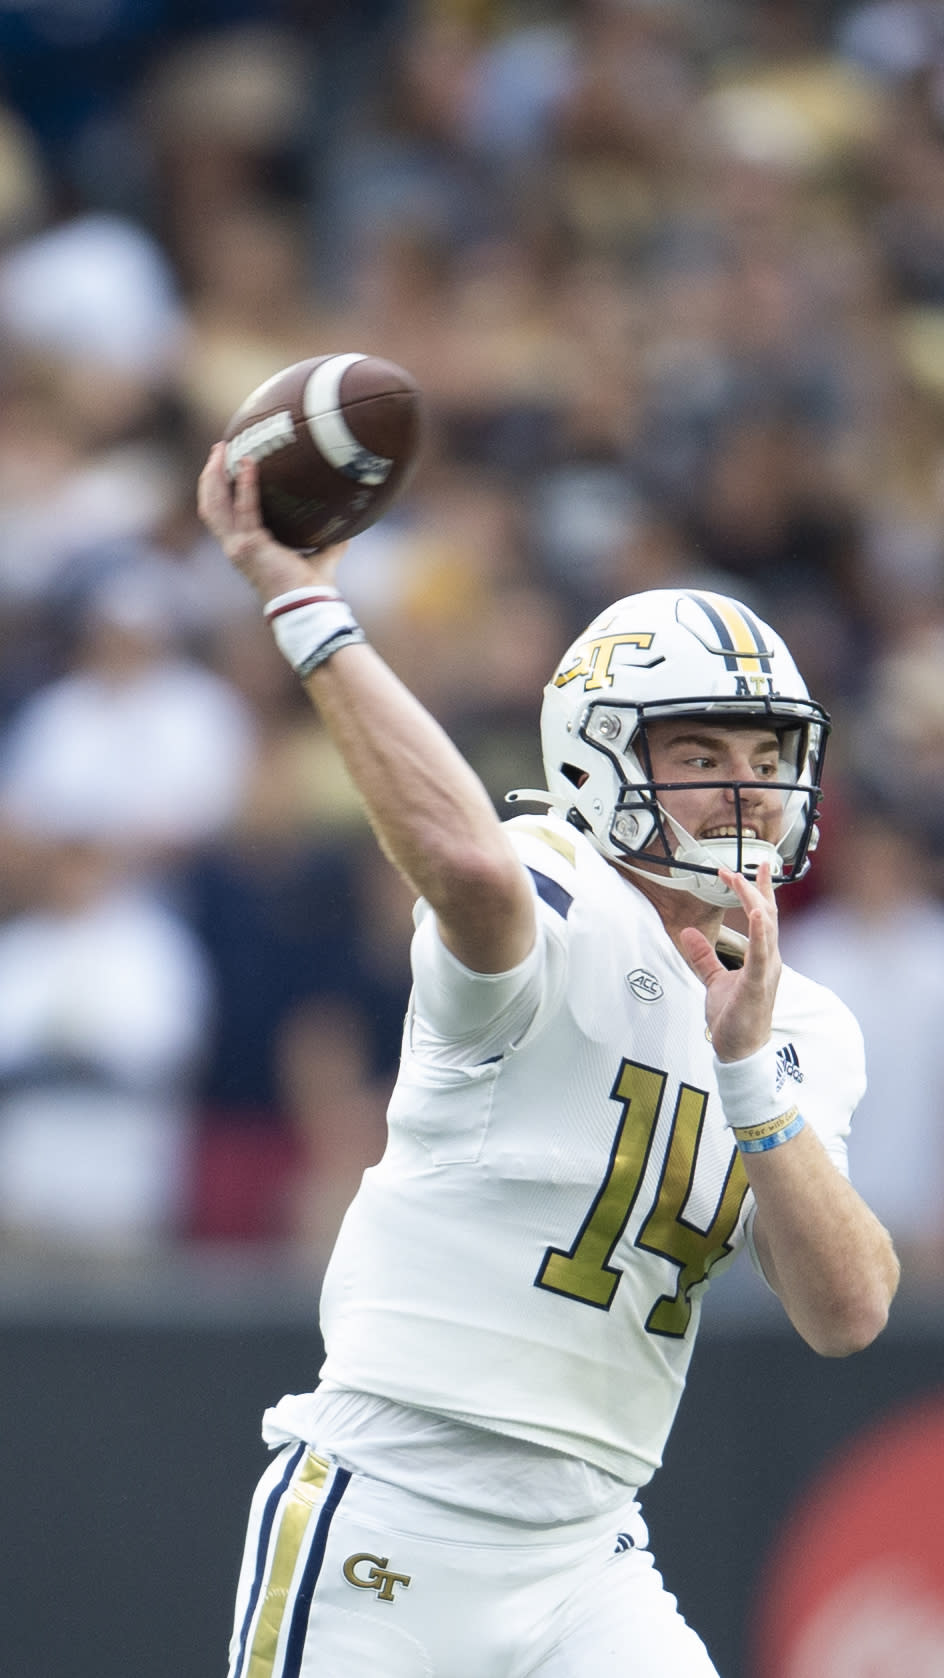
(531, 1253)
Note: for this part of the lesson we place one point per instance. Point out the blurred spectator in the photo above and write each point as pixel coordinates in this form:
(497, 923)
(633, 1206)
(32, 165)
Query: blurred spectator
(894, 38)
(877, 939)
(225, 112)
(227, 117)
(768, 519)
(67, 69)
(136, 746)
(105, 1003)
(71, 70)
(307, 933)
(292, 906)
(402, 159)
(524, 70)
(94, 336)
(896, 736)
(337, 1106)
(908, 195)
(95, 290)
(250, 307)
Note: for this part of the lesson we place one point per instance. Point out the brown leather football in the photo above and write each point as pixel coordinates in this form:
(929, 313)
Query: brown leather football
(335, 439)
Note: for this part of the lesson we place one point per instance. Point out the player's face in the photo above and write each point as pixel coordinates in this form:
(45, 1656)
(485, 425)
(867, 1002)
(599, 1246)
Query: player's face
(693, 753)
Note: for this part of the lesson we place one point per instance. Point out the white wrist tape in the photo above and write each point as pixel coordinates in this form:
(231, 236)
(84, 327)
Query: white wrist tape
(760, 1115)
(309, 624)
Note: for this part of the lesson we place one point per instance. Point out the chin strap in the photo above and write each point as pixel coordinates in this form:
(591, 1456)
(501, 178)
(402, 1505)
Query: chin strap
(706, 886)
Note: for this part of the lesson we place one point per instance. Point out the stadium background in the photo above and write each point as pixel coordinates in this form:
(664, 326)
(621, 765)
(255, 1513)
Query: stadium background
(672, 277)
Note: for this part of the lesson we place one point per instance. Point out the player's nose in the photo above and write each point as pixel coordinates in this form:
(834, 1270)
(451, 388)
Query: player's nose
(751, 790)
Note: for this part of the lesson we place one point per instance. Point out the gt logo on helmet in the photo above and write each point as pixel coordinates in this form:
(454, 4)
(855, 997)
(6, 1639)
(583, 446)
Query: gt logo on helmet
(595, 657)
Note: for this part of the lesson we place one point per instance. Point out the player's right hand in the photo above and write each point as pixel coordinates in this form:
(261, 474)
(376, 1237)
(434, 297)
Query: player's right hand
(231, 512)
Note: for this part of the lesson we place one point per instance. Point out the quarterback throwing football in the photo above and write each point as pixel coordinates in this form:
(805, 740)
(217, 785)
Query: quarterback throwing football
(604, 1095)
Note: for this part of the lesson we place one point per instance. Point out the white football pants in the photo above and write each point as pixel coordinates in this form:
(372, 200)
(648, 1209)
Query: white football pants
(345, 1576)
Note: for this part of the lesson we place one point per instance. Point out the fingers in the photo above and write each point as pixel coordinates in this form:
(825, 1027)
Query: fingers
(739, 1005)
(756, 897)
(231, 509)
(762, 958)
(247, 512)
(748, 892)
(699, 953)
(213, 494)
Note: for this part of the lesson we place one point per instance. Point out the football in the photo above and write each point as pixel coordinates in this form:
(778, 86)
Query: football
(335, 439)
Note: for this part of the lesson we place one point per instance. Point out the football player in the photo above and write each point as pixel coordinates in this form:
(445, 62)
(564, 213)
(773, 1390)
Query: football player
(604, 1095)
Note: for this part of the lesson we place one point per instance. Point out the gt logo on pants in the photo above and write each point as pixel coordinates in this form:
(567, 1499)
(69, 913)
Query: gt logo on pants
(377, 1577)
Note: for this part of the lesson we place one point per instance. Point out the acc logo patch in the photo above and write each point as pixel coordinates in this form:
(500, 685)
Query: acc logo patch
(644, 985)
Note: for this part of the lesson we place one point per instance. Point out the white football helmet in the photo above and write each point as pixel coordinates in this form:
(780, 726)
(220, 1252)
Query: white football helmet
(677, 653)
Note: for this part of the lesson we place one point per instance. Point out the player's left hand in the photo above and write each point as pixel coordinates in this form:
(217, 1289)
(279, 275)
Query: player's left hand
(739, 1004)
(231, 512)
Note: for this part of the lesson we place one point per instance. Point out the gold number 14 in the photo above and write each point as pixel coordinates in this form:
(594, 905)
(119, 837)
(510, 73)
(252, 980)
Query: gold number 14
(585, 1273)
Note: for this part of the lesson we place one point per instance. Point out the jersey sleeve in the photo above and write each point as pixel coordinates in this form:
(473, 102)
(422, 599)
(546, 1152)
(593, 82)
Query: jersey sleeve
(822, 1052)
(459, 1017)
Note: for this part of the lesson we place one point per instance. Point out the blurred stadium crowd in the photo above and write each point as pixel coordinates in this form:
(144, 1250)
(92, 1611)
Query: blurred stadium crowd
(671, 273)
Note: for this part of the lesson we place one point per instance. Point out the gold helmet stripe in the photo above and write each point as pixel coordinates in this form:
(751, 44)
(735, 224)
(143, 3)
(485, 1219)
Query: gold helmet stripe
(739, 633)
